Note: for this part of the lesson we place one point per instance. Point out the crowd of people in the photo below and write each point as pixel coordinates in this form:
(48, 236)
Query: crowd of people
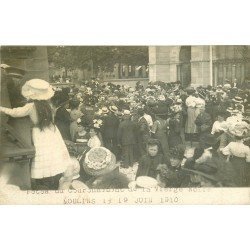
(85, 135)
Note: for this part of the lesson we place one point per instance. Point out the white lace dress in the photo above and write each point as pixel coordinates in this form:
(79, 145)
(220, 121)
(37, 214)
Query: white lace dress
(51, 155)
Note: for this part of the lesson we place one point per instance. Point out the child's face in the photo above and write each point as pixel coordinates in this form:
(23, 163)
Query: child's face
(92, 132)
(80, 128)
(153, 150)
(175, 162)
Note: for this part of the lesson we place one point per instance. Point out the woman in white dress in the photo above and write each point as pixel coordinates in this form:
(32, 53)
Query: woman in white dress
(51, 155)
(190, 126)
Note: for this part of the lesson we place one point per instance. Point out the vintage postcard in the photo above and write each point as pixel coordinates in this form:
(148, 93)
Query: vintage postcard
(143, 125)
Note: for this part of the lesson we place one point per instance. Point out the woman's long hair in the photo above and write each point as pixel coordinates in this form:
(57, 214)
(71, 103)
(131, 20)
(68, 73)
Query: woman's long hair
(44, 114)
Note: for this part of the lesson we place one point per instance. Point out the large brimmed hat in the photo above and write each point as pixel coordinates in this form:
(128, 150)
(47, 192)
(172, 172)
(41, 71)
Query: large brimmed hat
(99, 161)
(12, 71)
(227, 86)
(161, 98)
(126, 112)
(113, 108)
(238, 99)
(105, 110)
(230, 110)
(37, 89)
(239, 129)
(235, 111)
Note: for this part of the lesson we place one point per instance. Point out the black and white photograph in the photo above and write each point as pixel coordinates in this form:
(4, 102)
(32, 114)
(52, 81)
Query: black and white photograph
(124, 117)
(124, 124)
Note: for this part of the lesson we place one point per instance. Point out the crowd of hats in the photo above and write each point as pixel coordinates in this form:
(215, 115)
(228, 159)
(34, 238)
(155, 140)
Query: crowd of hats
(158, 98)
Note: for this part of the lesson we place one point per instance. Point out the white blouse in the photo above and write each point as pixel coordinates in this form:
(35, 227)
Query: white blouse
(234, 119)
(219, 126)
(191, 101)
(148, 119)
(200, 102)
(27, 110)
(237, 149)
(94, 142)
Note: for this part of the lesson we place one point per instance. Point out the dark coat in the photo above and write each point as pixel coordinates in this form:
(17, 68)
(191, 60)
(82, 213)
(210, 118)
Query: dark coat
(148, 165)
(62, 121)
(204, 123)
(110, 126)
(176, 178)
(126, 134)
(143, 130)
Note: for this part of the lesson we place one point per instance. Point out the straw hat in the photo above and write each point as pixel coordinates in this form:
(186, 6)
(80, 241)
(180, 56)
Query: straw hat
(37, 89)
(105, 110)
(126, 112)
(161, 98)
(113, 108)
(235, 111)
(143, 182)
(99, 161)
(227, 86)
(230, 110)
(238, 99)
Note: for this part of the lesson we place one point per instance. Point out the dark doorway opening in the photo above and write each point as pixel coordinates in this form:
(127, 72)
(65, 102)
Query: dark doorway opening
(184, 68)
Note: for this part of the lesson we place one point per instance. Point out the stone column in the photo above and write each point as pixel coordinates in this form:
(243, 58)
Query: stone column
(37, 66)
(144, 73)
(126, 71)
(163, 61)
(215, 73)
(116, 71)
(200, 71)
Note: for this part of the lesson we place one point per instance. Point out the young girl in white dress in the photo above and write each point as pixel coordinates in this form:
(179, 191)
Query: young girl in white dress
(51, 155)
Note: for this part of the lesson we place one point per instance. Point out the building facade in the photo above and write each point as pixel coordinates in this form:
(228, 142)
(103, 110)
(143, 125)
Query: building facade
(199, 65)
(32, 59)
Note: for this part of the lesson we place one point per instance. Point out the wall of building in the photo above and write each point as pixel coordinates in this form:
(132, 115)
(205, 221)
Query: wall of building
(33, 59)
(191, 64)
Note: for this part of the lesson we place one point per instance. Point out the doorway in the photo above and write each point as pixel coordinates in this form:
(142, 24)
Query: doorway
(184, 67)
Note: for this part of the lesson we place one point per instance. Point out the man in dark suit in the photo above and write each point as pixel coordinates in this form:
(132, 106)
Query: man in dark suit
(204, 125)
(109, 130)
(127, 139)
(143, 132)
